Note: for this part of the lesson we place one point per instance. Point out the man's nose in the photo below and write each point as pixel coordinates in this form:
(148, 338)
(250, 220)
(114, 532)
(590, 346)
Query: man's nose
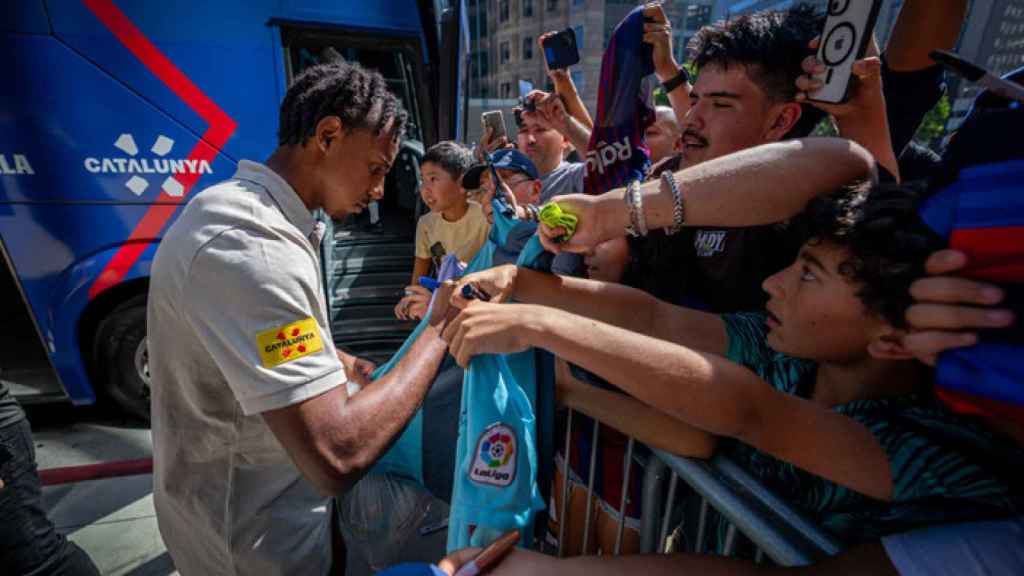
(694, 118)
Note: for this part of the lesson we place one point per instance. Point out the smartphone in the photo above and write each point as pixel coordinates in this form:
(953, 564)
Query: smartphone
(844, 39)
(560, 50)
(496, 121)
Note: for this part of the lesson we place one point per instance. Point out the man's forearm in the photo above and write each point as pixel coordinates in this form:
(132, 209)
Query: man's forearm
(679, 98)
(373, 418)
(577, 133)
(757, 186)
(872, 132)
(622, 306)
(870, 558)
(566, 88)
(923, 26)
(702, 389)
(632, 417)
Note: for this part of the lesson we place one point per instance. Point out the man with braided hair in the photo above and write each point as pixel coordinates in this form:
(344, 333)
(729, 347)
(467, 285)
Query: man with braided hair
(254, 427)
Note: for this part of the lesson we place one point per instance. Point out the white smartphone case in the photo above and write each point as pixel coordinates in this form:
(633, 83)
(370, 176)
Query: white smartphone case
(845, 38)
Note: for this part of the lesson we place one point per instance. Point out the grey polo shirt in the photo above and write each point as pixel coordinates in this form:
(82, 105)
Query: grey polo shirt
(567, 178)
(237, 326)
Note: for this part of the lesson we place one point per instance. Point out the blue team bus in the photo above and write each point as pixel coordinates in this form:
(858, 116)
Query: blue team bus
(116, 112)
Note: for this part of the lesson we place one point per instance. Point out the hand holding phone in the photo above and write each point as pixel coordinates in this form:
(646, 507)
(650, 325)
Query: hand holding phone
(494, 120)
(560, 50)
(844, 40)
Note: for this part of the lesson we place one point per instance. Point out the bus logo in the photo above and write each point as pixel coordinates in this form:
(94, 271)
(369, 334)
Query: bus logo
(138, 167)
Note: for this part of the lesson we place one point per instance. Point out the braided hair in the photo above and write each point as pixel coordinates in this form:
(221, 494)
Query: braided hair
(359, 97)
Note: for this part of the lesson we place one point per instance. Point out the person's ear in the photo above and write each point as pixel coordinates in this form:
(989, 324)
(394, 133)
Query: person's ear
(888, 345)
(328, 130)
(782, 121)
(535, 187)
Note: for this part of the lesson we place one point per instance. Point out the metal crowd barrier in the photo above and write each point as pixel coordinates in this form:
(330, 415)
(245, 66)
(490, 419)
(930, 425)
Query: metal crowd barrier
(774, 527)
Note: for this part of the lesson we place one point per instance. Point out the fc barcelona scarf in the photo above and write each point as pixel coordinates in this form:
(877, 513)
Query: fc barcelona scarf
(980, 208)
(617, 153)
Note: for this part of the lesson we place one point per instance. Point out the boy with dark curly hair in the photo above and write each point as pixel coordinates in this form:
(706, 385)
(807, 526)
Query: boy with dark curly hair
(254, 427)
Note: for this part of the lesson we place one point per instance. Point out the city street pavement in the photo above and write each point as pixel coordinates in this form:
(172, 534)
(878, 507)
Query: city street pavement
(112, 519)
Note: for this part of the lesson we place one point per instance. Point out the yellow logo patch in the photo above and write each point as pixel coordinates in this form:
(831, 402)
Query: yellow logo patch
(288, 343)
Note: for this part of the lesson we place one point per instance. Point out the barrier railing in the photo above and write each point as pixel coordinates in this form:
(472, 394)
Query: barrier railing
(776, 529)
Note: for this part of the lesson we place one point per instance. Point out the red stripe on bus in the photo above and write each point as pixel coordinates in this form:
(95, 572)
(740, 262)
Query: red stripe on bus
(221, 126)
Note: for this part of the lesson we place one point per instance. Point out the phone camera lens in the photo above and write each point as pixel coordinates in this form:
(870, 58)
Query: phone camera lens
(837, 7)
(839, 44)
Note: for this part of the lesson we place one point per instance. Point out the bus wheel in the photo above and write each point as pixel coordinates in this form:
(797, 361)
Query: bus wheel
(123, 357)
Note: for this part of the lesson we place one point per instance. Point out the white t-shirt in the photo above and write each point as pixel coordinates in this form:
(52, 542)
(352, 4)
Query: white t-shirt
(237, 326)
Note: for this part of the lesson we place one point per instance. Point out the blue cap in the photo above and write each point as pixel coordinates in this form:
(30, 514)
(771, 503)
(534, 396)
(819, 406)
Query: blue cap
(504, 159)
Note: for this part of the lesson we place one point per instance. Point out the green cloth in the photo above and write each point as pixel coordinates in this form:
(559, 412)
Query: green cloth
(554, 216)
(946, 467)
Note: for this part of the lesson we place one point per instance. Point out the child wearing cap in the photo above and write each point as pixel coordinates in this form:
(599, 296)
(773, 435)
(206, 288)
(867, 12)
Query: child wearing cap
(455, 224)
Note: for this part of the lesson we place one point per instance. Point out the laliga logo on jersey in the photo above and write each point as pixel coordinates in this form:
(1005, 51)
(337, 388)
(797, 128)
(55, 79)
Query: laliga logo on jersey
(607, 154)
(495, 461)
(136, 166)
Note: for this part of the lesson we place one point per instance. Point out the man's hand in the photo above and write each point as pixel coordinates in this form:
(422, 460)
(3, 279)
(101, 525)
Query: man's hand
(659, 35)
(490, 144)
(357, 369)
(558, 74)
(865, 86)
(490, 328)
(441, 313)
(949, 310)
(499, 283)
(589, 226)
(414, 305)
(550, 110)
(451, 563)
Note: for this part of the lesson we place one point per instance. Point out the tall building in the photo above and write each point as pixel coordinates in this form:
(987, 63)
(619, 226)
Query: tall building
(993, 37)
(728, 8)
(887, 13)
(503, 36)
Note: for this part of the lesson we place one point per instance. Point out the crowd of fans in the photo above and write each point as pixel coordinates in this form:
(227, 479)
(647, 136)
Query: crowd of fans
(794, 331)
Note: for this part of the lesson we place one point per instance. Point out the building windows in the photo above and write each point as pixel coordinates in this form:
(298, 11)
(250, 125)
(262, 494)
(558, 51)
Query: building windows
(479, 63)
(527, 47)
(506, 52)
(503, 11)
(478, 23)
(506, 90)
(552, 5)
(697, 16)
(527, 8)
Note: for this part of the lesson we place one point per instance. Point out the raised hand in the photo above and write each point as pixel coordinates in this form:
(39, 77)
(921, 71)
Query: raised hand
(949, 309)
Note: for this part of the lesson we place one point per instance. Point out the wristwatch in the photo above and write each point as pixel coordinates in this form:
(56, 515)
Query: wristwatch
(683, 77)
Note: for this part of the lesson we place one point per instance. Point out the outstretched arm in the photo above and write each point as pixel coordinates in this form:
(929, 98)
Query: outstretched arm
(760, 185)
(703, 389)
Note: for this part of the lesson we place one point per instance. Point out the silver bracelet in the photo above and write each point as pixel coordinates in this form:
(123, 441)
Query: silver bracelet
(678, 209)
(635, 203)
